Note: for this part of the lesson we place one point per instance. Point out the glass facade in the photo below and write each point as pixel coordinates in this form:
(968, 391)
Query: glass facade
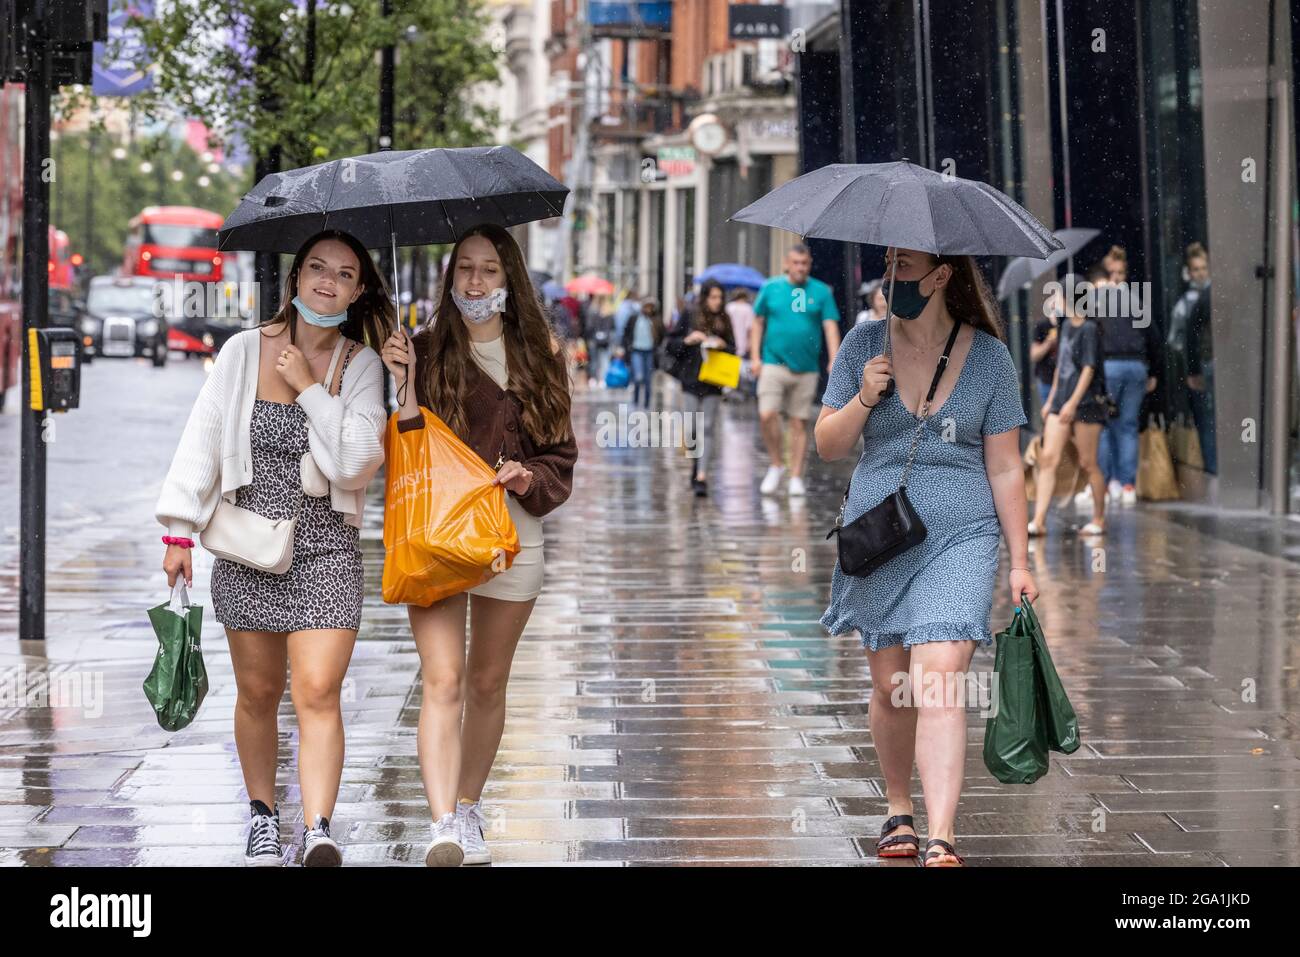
(1151, 121)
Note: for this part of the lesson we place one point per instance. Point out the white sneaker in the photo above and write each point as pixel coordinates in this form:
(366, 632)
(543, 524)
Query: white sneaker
(1084, 498)
(318, 848)
(471, 833)
(1114, 490)
(445, 850)
(1129, 495)
(796, 488)
(771, 480)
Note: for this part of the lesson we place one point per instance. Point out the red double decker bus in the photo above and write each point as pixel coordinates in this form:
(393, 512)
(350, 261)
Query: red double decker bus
(167, 242)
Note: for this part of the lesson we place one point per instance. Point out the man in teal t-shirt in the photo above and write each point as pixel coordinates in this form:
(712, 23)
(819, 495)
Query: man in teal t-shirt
(792, 314)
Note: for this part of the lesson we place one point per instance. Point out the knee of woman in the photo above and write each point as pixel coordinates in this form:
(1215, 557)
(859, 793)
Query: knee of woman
(315, 694)
(259, 696)
(893, 697)
(441, 688)
(487, 687)
(1048, 461)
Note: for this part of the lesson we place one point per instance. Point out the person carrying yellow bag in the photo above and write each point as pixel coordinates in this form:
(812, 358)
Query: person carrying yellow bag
(703, 333)
(490, 372)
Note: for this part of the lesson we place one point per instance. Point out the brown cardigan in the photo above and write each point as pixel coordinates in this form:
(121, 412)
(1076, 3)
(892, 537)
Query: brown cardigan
(496, 427)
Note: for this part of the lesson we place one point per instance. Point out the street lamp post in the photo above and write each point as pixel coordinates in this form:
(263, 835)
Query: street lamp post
(36, 254)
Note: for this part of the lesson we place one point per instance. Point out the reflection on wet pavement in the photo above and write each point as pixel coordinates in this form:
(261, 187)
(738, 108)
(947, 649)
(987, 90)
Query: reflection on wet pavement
(675, 701)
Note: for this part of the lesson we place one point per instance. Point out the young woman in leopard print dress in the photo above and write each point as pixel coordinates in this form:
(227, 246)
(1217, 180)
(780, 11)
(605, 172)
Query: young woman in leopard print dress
(290, 422)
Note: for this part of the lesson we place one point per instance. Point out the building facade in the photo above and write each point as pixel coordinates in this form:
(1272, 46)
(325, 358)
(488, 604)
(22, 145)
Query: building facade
(1161, 123)
(664, 125)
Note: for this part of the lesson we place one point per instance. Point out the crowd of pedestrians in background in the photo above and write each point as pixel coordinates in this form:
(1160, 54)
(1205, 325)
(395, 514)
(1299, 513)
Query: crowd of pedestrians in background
(1113, 362)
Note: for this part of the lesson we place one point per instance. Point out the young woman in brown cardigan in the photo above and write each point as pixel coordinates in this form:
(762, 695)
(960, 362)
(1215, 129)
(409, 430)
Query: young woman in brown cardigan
(491, 369)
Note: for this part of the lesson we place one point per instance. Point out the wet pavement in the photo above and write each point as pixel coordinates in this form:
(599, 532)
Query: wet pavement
(674, 699)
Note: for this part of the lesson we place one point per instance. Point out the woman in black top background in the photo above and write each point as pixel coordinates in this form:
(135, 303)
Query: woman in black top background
(707, 326)
(1075, 411)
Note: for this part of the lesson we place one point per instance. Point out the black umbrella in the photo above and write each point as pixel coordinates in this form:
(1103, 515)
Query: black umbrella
(1022, 271)
(394, 198)
(905, 206)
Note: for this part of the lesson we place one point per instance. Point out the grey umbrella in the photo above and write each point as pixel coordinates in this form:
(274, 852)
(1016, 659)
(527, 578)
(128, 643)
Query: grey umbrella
(903, 205)
(1022, 271)
(394, 198)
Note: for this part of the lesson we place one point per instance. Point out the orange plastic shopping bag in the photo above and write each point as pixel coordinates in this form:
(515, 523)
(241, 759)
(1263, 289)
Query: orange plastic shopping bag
(446, 527)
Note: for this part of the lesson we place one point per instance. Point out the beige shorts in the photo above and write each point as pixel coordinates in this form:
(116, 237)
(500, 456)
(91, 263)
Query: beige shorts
(520, 582)
(780, 390)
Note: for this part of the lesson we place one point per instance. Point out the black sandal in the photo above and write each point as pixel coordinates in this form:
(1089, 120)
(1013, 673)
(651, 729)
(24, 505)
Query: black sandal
(897, 821)
(946, 849)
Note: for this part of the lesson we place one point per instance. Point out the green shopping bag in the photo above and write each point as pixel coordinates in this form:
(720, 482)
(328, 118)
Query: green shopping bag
(1034, 714)
(1015, 749)
(178, 681)
(1056, 715)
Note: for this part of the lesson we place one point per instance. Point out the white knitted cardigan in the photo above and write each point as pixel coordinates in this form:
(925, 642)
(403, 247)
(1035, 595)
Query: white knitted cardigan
(214, 458)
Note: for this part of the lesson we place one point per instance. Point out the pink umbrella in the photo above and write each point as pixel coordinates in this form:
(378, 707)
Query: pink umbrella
(590, 284)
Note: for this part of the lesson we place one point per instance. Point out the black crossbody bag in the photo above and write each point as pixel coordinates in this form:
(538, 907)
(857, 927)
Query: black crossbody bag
(893, 526)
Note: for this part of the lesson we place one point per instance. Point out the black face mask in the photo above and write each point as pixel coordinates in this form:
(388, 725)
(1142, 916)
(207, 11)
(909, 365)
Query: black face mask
(908, 303)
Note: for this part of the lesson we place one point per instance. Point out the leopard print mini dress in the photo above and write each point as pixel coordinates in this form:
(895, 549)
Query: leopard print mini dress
(322, 589)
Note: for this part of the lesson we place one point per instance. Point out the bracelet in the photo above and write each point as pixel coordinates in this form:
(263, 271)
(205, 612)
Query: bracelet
(177, 540)
(1019, 568)
(864, 405)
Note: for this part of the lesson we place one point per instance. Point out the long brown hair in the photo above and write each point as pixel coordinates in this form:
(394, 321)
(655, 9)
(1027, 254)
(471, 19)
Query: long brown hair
(968, 296)
(371, 319)
(536, 372)
(712, 323)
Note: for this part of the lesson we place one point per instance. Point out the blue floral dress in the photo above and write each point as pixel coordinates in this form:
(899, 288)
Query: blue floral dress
(941, 589)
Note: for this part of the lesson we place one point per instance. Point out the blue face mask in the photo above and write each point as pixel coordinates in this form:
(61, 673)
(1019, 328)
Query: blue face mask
(908, 302)
(315, 318)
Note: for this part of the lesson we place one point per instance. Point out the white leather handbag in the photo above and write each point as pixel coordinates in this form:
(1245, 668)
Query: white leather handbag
(266, 544)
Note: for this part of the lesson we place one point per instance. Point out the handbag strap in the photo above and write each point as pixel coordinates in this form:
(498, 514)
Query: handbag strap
(334, 361)
(920, 426)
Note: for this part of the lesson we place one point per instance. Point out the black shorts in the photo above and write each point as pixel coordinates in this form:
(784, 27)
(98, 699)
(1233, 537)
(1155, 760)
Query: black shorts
(1091, 410)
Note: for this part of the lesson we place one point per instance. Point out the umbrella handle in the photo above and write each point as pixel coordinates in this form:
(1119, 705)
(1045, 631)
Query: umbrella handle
(397, 293)
(889, 312)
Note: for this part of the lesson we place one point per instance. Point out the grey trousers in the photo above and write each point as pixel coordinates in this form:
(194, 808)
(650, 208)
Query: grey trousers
(701, 427)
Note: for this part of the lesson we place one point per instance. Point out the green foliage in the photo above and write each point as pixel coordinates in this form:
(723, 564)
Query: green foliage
(325, 104)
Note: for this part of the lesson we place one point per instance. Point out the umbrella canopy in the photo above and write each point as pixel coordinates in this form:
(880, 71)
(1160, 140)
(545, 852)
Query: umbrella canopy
(397, 197)
(902, 205)
(733, 274)
(589, 284)
(1022, 271)
(552, 290)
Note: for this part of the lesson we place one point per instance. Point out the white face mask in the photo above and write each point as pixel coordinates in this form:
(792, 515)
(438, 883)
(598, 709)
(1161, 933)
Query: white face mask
(480, 310)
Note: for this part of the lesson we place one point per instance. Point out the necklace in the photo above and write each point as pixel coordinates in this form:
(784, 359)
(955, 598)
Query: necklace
(927, 349)
(328, 349)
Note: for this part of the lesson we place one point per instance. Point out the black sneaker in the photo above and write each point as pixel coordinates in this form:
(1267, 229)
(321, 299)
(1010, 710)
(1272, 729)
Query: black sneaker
(264, 848)
(701, 488)
(318, 848)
